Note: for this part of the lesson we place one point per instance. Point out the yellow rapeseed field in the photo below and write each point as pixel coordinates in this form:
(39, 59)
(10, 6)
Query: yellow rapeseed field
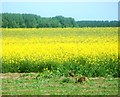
(58, 44)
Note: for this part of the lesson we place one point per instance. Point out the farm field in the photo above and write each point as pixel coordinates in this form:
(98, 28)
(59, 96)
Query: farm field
(87, 51)
(52, 52)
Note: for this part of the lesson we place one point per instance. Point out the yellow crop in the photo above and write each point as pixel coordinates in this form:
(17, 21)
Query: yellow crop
(58, 48)
(59, 44)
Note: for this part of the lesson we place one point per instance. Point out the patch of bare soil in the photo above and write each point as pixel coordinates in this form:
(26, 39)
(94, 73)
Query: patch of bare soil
(9, 75)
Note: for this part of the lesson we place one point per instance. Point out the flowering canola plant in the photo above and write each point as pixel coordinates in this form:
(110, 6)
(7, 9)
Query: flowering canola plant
(59, 45)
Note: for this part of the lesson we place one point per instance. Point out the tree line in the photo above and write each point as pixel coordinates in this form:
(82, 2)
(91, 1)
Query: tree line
(16, 20)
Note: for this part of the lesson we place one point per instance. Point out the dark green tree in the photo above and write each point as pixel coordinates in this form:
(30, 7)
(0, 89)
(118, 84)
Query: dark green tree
(14, 20)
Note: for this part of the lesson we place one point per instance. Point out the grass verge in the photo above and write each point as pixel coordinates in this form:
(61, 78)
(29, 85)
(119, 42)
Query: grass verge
(37, 84)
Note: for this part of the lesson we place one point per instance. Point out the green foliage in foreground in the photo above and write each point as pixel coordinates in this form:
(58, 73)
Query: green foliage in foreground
(27, 84)
(101, 68)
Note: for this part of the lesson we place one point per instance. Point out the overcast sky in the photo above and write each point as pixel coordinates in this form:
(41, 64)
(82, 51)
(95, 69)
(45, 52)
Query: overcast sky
(77, 10)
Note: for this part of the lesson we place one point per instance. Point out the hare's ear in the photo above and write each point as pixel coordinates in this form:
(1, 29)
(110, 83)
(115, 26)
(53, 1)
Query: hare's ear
(86, 79)
(71, 74)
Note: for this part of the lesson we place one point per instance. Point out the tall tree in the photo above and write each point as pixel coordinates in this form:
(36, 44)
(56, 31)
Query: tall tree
(14, 20)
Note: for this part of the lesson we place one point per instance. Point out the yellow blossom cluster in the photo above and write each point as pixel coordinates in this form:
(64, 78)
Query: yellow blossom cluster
(58, 44)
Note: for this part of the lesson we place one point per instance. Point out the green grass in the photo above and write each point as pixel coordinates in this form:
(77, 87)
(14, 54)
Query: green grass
(32, 84)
